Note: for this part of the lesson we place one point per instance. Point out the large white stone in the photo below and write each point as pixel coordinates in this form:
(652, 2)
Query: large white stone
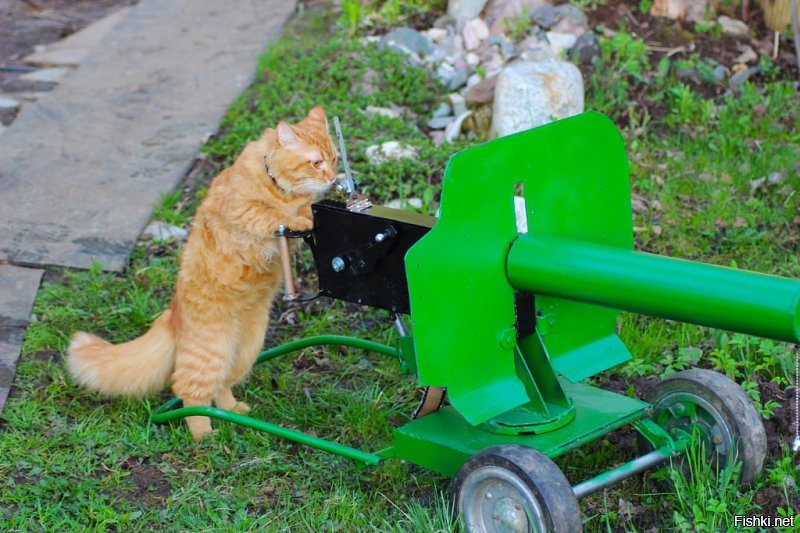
(467, 9)
(531, 94)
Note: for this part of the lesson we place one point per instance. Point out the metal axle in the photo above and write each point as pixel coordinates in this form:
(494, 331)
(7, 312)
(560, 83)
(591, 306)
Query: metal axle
(624, 471)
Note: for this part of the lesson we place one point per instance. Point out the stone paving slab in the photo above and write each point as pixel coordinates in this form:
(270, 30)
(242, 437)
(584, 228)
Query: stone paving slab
(81, 170)
(73, 49)
(10, 348)
(18, 288)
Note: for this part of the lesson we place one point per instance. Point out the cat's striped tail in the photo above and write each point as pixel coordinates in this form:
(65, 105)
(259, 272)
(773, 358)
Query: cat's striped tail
(134, 368)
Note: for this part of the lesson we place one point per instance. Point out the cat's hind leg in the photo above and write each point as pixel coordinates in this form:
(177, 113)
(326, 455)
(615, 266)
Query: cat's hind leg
(202, 362)
(252, 333)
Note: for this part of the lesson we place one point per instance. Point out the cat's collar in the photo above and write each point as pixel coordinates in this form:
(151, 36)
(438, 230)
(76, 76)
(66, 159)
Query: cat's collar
(272, 176)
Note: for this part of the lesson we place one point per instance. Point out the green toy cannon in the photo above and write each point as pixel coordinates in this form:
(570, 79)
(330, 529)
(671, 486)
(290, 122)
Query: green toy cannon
(510, 316)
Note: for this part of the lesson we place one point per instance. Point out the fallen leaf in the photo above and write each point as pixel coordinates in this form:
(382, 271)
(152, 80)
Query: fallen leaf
(720, 224)
(658, 230)
(739, 223)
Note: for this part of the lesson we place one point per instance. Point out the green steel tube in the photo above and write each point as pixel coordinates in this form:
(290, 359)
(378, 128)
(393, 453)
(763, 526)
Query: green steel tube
(345, 451)
(321, 340)
(720, 297)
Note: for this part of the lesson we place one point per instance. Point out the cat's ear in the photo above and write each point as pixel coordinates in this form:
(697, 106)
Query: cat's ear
(317, 113)
(286, 135)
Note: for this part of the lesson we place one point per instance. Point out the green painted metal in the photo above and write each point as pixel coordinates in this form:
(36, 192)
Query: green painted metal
(161, 417)
(328, 340)
(758, 304)
(172, 410)
(574, 174)
(443, 441)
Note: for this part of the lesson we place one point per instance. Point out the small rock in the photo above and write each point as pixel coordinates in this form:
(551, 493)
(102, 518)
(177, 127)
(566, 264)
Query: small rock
(569, 11)
(473, 80)
(738, 79)
(161, 231)
(47, 75)
(687, 74)
(383, 111)
(408, 41)
(748, 55)
(377, 154)
(534, 49)
(437, 136)
(465, 9)
(458, 103)
(691, 10)
(454, 128)
(560, 42)
(482, 93)
(472, 59)
(458, 78)
(440, 123)
(566, 25)
(494, 65)
(719, 73)
(734, 27)
(505, 45)
(530, 94)
(442, 110)
(449, 49)
(497, 10)
(443, 22)
(475, 31)
(8, 103)
(586, 48)
(435, 35)
(545, 16)
(405, 203)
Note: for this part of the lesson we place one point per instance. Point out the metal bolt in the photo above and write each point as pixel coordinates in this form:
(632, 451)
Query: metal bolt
(380, 237)
(488, 495)
(718, 439)
(337, 263)
(496, 516)
(518, 507)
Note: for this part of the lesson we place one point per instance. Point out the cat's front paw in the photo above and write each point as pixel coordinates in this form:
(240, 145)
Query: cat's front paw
(300, 224)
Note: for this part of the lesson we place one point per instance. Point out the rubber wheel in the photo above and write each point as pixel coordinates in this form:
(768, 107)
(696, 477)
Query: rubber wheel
(727, 421)
(512, 488)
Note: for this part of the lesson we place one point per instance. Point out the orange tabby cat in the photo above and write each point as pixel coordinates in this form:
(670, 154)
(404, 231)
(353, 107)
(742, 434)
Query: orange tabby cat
(209, 337)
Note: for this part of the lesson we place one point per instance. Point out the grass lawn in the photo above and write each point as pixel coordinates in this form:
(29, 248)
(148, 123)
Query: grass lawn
(714, 180)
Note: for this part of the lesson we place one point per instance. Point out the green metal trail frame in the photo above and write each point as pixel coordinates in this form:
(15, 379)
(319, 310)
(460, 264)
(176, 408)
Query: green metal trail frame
(443, 441)
(172, 410)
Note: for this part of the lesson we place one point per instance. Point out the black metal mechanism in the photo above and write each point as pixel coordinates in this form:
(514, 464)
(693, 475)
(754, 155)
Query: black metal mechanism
(360, 255)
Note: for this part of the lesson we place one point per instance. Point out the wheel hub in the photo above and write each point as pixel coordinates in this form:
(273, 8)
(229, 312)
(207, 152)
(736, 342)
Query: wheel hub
(495, 500)
(510, 516)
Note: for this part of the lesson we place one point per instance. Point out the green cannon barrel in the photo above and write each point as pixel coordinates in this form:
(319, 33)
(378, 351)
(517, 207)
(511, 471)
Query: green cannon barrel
(720, 297)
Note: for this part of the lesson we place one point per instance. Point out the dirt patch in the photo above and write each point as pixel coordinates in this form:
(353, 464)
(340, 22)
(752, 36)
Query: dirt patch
(150, 484)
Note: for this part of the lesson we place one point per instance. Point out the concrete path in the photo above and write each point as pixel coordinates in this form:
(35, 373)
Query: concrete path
(82, 168)
(18, 288)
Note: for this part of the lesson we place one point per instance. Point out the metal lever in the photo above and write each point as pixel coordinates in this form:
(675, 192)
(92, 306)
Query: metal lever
(283, 235)
(356, 202)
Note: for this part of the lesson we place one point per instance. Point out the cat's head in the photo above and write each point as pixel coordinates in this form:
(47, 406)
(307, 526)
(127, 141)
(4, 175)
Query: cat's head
(305, 159)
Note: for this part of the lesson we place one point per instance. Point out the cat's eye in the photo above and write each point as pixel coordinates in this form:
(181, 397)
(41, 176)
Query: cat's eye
(317, 163)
